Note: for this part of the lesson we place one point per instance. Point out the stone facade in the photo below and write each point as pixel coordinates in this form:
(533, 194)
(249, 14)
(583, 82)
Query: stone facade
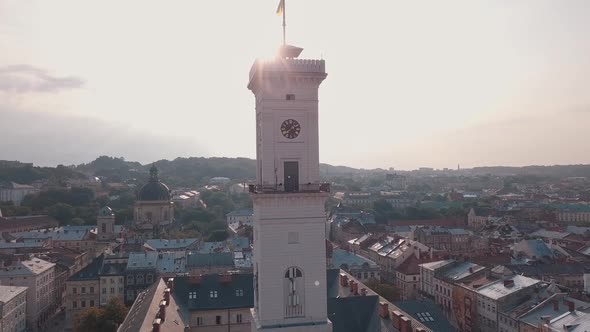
(39, 276)
(13, 308)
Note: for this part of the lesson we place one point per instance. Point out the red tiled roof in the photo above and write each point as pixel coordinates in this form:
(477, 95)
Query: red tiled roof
(8, 224)
(445, 222)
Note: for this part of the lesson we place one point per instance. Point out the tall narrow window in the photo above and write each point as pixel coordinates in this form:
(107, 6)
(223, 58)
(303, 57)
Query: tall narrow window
(294, 292)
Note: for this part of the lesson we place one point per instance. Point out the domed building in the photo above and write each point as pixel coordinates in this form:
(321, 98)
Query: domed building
(153, 208)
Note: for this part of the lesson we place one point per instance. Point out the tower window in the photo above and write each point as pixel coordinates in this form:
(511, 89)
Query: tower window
(294, 292)
(290, 97)
(293, 237)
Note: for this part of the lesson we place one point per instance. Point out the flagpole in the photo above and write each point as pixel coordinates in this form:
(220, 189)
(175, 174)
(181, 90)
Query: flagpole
(284, 25)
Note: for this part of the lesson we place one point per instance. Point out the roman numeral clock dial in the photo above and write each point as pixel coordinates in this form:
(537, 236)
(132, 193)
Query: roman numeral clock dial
(290, 128)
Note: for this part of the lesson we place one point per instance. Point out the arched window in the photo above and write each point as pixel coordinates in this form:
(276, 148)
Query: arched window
(294, 291)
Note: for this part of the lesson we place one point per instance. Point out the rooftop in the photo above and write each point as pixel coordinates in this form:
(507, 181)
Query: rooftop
(162, 244)
(576, 321)
(461, 270)
(145, 311)
(7, 293)
(428, 313)
(501, 288)
(341, 257)
(90, 272)
(31, 266)
(433, 266)
(142, 260)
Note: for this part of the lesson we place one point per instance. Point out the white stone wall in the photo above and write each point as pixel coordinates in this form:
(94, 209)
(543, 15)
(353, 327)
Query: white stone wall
(233, 320)
(487, 313)
(14, 314)
(275, 216)
(111, 287)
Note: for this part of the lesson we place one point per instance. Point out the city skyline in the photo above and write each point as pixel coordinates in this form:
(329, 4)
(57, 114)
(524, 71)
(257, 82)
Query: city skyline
(422, 90)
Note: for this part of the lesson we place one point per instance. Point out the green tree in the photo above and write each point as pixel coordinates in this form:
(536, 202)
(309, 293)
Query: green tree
(218, 235)
(389, 292)
(92, 320)
(62, 212)
(77, 221)
(105, 319)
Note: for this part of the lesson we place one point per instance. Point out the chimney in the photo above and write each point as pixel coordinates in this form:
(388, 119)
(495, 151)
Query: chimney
(396, 319)
(509, 283)
(363, 291)
(471, 269)
(156, 325)
(163, 310)
(536, 289)
(546, 319)
(384, 310)
(350, 283)
(343, 280)
(571, 306)
(555, 305)
(406, 324)
(167, 296)
(225, 278)
(195, 280)
(355, 288)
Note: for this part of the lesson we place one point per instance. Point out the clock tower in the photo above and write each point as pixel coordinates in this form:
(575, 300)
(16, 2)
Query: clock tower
(289, 216)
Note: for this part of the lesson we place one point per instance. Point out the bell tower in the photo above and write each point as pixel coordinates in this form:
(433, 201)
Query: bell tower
(289, 215)
(106, 224)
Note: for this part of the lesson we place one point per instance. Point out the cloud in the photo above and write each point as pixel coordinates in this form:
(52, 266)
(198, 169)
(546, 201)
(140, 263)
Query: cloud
(26, 78)
(54, 138)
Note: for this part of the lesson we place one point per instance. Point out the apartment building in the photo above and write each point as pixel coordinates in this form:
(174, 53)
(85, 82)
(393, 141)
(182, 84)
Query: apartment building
(39, 277)
(13, 308)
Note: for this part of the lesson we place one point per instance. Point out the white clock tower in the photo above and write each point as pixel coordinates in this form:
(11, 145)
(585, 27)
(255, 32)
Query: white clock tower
(289, 215)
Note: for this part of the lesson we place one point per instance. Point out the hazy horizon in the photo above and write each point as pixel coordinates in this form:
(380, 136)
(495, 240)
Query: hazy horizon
(420, 84)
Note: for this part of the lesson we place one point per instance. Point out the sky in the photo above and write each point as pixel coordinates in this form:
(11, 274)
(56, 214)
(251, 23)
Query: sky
(410, 83)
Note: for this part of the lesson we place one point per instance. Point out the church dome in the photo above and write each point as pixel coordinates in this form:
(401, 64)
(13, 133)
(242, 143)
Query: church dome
(154, 190)
(106, 212)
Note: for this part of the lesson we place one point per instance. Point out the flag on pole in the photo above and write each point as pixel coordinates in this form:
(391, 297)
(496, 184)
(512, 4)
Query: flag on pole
(281, 7)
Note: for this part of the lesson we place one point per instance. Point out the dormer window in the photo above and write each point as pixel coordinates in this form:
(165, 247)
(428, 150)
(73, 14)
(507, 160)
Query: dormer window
(239, 292)
(213, 294)
(192, 295)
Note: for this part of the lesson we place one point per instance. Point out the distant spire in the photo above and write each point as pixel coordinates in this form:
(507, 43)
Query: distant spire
(153, 173)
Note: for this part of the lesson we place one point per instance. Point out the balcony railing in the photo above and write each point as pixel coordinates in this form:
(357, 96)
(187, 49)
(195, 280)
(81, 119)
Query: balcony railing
(280, 188)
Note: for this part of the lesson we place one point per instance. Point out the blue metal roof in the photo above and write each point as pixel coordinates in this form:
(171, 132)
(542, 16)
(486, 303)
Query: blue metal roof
(341, 257)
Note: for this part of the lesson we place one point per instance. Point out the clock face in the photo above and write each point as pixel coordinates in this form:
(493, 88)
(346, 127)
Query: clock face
(290, 128)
